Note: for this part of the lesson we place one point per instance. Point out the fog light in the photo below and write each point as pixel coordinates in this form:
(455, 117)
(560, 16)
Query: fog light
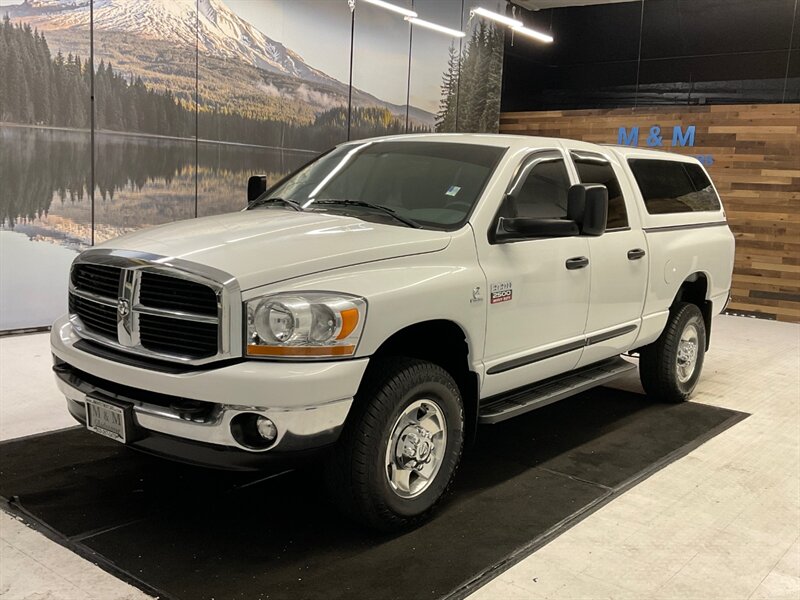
(266, 429)
(254, 431)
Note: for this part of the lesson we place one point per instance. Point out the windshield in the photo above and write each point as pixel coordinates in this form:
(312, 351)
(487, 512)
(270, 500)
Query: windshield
(425, 184)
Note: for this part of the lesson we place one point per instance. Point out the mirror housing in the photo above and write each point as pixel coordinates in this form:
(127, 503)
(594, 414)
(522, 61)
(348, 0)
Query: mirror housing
(522, 227)
(256, 185)
(587, 205)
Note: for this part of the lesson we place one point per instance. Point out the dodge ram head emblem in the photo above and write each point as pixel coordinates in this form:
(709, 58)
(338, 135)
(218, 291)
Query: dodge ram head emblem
(123, 307)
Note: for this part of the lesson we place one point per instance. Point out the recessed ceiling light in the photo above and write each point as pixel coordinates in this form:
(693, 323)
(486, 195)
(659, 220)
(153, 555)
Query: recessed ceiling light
(393, 7)
(496, 17)
(542, 37)
(435, 27)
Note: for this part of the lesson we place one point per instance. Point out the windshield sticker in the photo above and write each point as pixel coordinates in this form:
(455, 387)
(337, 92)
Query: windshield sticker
(453, 190)
(501, 292)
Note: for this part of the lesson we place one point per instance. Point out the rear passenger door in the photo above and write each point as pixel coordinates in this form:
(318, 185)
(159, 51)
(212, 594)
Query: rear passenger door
(619, 259)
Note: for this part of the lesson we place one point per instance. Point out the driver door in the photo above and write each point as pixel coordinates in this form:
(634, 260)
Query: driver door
(538, 296)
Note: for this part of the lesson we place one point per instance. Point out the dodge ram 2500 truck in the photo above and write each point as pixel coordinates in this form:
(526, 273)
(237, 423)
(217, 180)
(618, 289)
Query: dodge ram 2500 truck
(378, 304)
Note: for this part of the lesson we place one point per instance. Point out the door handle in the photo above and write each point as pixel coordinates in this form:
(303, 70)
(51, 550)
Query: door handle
(578, 262)
(636, 254)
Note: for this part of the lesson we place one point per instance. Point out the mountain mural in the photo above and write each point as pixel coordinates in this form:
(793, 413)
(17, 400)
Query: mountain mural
(240, 68)
(190, 98)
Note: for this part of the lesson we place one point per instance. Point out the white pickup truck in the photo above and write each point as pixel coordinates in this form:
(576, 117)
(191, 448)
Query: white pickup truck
(378, 304)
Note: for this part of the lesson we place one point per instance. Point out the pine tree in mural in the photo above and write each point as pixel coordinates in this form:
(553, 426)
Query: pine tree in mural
(37, 89)
(446, 117)
(490, 117)
(472, 83)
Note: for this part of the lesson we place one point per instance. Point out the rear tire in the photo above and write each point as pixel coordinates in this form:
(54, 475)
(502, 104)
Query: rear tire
(670, 367)
(400, 447)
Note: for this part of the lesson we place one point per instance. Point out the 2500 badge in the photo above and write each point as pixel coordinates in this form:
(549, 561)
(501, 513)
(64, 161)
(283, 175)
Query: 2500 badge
(500, 292)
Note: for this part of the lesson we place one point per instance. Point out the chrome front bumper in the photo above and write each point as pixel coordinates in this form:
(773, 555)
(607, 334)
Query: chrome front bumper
(298, 430)
(308, 402)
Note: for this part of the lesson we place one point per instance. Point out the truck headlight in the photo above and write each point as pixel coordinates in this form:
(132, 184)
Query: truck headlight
(303, 325)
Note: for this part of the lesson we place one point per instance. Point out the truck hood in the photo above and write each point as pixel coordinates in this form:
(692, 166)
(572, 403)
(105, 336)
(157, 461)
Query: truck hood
(259, 247)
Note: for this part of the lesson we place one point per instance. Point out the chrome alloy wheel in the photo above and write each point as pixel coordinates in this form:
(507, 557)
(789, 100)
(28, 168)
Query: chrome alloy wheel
(687, 353)
(416, 448)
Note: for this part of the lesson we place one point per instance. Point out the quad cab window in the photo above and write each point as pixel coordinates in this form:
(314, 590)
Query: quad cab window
(670, 186)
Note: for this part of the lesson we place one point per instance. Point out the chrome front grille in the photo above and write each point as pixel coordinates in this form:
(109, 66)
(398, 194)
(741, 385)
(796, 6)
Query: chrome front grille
(162, 308)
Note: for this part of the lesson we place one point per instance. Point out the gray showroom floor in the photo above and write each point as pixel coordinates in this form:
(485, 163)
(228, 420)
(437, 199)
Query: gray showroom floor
(722, 522)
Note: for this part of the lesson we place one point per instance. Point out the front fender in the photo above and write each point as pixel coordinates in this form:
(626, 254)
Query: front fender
(408, 290)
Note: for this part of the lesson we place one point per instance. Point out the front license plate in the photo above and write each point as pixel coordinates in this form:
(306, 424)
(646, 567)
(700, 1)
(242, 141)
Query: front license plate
(105, 419)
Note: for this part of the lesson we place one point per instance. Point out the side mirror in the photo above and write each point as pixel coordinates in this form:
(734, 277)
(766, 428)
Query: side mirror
(522, 227)
(256, 185)
(587, 205)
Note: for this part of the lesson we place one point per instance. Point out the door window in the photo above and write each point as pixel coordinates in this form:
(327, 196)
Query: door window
(543, 194)
(595, 168)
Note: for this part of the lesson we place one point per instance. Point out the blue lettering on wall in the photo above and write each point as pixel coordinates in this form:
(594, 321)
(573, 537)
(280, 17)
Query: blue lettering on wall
(706, 159)
(628, 139)
(629, 136)
(679, 138)
(654, 139)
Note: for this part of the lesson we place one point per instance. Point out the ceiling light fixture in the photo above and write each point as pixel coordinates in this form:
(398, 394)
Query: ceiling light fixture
(393, 7)
(482, 12)
(542, 37)
(435, 27)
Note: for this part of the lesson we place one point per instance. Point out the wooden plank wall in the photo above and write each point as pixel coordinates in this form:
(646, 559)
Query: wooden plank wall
(756, 168)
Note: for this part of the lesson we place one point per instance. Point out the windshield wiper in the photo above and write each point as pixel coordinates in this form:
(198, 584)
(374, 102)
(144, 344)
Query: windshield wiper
(290, 203)
(383, 209)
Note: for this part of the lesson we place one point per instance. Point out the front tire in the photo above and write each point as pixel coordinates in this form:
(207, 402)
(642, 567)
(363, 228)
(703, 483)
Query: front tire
(401, 445)
(670, 367)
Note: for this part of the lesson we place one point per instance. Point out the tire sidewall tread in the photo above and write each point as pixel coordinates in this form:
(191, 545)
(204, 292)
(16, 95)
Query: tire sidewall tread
(354, 471)
(657, 362)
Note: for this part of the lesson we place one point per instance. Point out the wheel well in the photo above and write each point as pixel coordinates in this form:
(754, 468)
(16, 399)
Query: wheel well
(694, 290)
(443, 343)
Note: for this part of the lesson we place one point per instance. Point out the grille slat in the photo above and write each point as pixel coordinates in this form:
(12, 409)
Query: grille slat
(178, 324)
(158, 300)
(100, 323)
(104, 321)
(92, 280)
(171, 293)
(97, 279)
(189, 307)
(153, 332)
(104, 324)
(160, 334)
(97, 272)
(179, 347)
(96, 317)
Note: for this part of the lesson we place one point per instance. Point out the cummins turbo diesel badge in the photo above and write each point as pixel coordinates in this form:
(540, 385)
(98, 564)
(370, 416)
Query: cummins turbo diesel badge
(501, 292)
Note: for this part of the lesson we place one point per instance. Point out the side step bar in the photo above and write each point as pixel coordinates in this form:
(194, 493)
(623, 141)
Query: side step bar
(505, 406)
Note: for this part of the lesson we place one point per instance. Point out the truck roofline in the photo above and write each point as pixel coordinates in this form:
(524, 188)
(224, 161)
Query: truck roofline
(516, 141)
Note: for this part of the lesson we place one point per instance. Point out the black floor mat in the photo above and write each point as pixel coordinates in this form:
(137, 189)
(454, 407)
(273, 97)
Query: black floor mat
(190, 533)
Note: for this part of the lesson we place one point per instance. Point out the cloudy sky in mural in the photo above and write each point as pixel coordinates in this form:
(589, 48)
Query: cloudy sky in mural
(378, 34)
(298, 25)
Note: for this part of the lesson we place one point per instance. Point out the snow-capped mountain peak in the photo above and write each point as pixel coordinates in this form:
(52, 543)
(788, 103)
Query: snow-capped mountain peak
(216, 29)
